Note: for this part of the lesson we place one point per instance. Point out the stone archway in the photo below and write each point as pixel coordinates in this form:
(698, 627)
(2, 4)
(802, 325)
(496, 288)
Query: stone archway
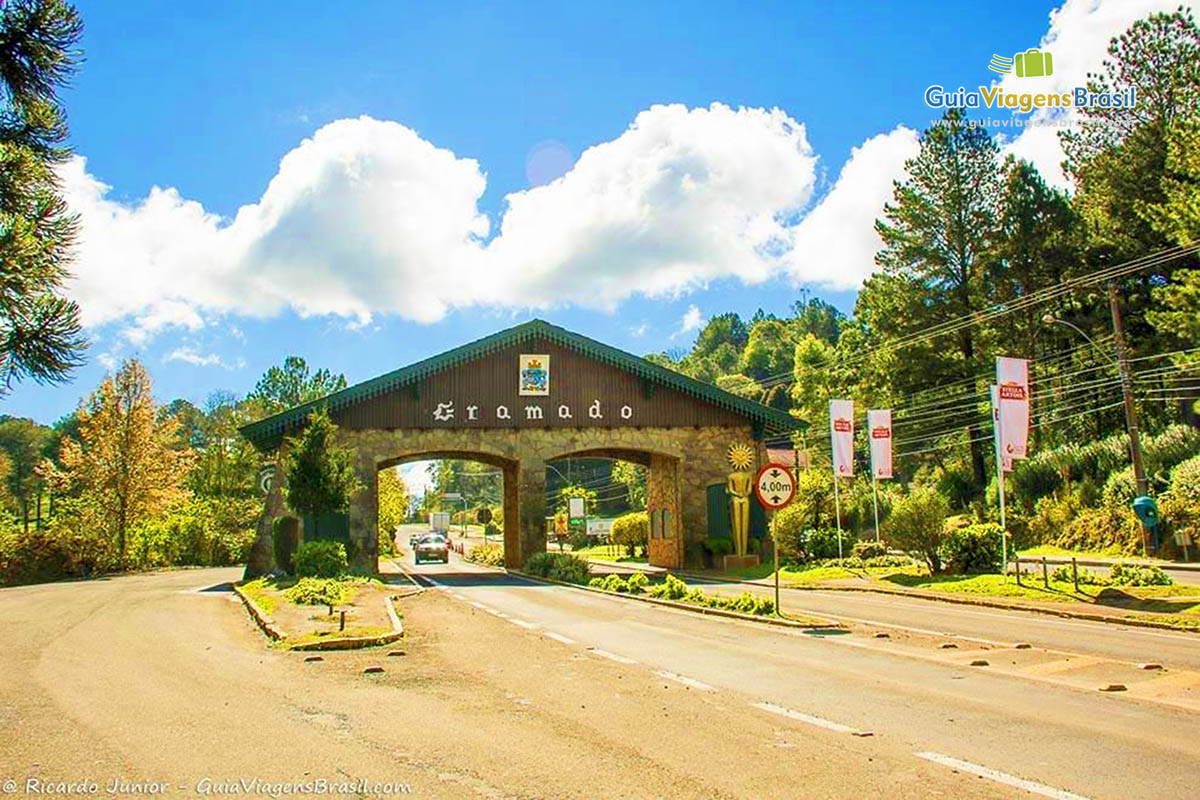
(663, 502)
(508, 469)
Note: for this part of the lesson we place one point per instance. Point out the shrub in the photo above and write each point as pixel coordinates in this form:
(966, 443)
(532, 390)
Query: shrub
(1120, 489)
(670, 589)
(631, 531)
(821, 543)
(490, 530)
(916, 524)
(387, 545)
(596, 582)
(637, 582)
(1134, 575)
(320, 559)
(558, 566)
(718, 546)
(1179, 510)
(1086, 576)
(317, 592)
(489, 554)
(1051, 515)
(867, 550)
(614, 583)
(1185, 477)
(787, 528)
(973, 548)
(1101, 529)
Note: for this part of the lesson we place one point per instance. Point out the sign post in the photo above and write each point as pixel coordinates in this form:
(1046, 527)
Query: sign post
(1003, 465)
(879, 429)
(775, 487)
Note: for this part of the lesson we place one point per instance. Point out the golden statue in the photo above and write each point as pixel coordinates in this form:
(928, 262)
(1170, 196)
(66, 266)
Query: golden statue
(739, 485)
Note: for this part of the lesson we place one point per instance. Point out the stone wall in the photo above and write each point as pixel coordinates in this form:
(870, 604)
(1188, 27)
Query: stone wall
(696, 456)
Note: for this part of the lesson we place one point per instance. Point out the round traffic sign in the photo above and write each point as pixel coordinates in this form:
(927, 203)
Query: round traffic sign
(774, 486)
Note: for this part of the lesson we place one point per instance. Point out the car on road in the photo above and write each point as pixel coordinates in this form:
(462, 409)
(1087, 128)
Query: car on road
(431, 547)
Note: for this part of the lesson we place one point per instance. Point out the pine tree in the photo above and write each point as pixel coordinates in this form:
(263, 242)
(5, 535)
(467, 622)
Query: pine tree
(320, 473)
(40, 332)
(936, 235)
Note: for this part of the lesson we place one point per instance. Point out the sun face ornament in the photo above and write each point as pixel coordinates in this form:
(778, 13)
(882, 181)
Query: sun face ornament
(740, 456)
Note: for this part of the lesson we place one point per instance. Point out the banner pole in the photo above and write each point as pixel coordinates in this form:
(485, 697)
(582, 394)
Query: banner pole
(875, 501)
(837, 506)
(999, 451)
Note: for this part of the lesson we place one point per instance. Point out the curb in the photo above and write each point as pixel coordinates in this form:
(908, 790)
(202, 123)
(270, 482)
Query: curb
(715, 612)
(277, 634)
(268, 626)
(962, 601)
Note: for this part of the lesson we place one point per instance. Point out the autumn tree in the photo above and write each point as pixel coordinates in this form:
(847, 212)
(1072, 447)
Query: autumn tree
(40, 332)
(127, 466)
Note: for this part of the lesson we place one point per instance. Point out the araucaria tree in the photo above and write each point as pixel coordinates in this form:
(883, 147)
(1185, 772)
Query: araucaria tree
(320, 473)
(40, 333)
(936, 236)
(127, 466)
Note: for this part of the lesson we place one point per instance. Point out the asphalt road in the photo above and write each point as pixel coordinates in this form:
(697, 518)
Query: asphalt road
(513, 689)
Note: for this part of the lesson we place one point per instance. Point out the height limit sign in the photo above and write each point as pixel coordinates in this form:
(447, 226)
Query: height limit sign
(774, 486)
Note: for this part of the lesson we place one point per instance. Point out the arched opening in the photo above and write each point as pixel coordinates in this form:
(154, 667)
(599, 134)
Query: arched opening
(613, 482)
(444, 490)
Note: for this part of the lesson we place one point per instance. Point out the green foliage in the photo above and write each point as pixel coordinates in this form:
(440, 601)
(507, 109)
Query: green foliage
(284, 536)
(41, 336)
(670, 589)
(195, 532)
(1120, 488)
(1101, 529)
(320, 559)
(972, 548)
(1185, 477)
(634, 477)
(1134, 575)
(916, 524)
(320, 473)
(393, 508)
(558, 566)
(1086, 577)
(718, 546)
(614, 583)
(318, 591)
(489, 554)
(869, 549)
(799, 543)
(637, 582)
(631, 531)
(292, 384)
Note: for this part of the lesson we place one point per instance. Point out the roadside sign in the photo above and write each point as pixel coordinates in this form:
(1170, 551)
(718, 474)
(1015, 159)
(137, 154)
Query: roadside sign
(453, 497)
(483, 516)
(575, 508)
(774, 486)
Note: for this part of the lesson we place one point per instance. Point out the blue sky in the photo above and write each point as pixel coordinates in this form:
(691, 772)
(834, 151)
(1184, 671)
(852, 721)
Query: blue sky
(368, 250)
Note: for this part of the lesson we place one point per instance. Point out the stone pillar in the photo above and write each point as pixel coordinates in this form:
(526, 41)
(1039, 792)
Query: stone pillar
(261, 559)
(511, 522)
(662, 494)
(364, 518)
(530, 537)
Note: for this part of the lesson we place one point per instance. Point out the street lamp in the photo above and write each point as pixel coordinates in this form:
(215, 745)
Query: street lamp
(1131, 420)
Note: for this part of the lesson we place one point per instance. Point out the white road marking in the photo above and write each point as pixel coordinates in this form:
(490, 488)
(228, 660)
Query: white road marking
(1000, 777)
(610, 656)
(480, 606)
(836, 727)
(686, 681)
(458, 596)
(522, 623)
(558, 637)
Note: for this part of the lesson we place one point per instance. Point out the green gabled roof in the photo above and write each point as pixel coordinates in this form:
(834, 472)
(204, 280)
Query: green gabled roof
(772, 422)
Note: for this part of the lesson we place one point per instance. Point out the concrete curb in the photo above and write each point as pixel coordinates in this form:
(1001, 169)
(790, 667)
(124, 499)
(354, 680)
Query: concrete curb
(962, 601)
(275, 633)
(268, 626)
(714, 612)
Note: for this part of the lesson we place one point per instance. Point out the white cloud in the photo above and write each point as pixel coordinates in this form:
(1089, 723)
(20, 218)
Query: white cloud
(1078, 38)
(366, 217)
(189, 355)
(691, 321)
(839, 234)
(415, 475)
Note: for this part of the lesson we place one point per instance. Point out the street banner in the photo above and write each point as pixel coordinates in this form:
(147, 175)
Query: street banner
(879, 427)
(841, 432)
(1012, 378)
(1002, 459)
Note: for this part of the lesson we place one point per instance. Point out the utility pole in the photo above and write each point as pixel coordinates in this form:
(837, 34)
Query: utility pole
(1131, 422)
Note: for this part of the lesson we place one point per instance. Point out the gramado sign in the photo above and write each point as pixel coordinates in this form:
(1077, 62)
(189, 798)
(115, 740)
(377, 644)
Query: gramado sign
(448, 412)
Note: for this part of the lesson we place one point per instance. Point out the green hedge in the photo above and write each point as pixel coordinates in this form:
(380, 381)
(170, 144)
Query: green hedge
(321, 559)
